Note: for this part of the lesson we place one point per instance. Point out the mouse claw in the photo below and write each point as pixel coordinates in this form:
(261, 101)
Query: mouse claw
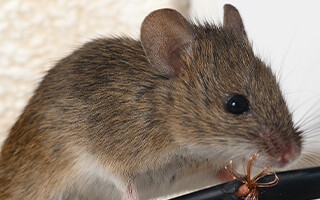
(131, 193)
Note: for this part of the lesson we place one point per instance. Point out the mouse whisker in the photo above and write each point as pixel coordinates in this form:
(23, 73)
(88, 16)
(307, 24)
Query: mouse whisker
(307, 115)
(281, 67)
(308, 159)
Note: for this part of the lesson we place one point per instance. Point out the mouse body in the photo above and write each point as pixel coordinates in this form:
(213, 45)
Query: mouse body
(126, 119)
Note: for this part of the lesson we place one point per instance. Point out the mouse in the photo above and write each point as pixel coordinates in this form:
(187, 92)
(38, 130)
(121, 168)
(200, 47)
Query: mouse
(130, 119)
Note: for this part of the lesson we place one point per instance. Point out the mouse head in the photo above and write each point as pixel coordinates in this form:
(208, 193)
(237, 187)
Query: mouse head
(225, 103)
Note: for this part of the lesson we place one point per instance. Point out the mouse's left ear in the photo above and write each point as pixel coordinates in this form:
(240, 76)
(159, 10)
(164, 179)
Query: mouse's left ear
(232, 21)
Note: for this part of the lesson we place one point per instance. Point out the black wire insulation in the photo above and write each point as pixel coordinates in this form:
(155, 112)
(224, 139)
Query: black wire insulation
(298, 184)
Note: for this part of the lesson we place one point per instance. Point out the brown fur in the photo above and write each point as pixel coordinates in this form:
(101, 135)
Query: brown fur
(106, 100)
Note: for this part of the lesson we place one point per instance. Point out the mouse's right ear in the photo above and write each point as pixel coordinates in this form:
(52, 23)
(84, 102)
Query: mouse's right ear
(232, 21)
(164, 34)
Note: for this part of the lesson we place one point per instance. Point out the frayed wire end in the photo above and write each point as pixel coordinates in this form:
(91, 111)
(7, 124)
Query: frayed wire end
(249, 189)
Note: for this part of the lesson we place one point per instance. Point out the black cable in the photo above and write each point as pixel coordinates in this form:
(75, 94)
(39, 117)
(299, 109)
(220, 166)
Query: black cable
(295, 184)
(299, 184)
(220, 192)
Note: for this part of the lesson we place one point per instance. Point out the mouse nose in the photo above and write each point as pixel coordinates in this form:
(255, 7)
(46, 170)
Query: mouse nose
(288, 154)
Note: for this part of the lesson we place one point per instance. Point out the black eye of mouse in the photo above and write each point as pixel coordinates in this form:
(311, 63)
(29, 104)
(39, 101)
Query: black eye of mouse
(237, 104)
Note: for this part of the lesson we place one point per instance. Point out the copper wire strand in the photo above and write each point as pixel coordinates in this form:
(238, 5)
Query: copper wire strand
(234, 173)
(253, 183)
(261, 174)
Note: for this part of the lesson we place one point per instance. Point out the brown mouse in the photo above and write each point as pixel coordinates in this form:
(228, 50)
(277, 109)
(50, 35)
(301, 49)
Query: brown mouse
(127, 119)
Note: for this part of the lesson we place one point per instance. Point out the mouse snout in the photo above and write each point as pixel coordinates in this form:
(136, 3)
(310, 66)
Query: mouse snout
(281, 155)
(280, 152)
(288, 154)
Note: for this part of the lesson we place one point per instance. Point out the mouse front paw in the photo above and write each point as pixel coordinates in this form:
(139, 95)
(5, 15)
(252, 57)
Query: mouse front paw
(131, 193)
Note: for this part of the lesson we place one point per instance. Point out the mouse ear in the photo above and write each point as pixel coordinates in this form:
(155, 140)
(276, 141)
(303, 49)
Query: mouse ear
(164, 33)
(232, 20)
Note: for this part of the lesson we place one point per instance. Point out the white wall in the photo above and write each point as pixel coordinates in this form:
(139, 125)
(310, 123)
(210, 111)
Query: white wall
(286, 34)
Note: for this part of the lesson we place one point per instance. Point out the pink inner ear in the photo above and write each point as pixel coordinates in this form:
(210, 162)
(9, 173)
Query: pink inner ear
(164, 33)
(175, 60)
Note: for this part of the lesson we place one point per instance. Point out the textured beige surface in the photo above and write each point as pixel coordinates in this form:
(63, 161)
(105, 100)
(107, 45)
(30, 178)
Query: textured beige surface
(34, 34)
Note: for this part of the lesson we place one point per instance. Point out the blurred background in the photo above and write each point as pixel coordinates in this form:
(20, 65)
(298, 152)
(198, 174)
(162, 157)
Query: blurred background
(35, 34)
